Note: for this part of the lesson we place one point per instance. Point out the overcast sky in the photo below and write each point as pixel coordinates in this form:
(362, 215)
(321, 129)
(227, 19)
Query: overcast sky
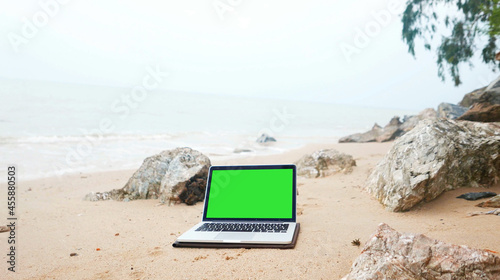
(347, 52)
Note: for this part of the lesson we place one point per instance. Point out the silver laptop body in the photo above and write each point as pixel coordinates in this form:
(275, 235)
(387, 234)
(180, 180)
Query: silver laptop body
(253, 204)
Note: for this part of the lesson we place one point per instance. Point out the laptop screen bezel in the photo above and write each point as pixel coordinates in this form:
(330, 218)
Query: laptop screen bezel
(252, 167)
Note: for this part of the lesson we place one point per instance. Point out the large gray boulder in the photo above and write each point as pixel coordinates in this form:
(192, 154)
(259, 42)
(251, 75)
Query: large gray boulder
(177, 175)
(391, 255)
(434, 157)
(324, 163)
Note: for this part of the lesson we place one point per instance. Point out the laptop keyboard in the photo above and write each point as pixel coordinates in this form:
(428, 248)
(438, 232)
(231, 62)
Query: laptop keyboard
(244, 227)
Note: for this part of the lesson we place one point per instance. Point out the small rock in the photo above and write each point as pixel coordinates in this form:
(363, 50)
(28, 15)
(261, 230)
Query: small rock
(476, 195)
(492, 202)
(324, 163)
(97, 196)
(264, 138)
(239, 151)
(73, 254)
(492, 212)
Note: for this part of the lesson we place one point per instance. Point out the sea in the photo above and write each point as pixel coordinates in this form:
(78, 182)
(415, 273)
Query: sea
(51, 129)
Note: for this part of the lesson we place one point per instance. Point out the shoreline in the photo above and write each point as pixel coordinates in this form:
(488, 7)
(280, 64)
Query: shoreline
(65, 161)
(133, 239)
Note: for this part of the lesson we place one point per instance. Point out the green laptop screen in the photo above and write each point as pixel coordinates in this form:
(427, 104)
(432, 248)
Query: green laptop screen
(251, 194)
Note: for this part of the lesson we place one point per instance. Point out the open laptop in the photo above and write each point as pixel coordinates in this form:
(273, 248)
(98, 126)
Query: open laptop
(247, 204)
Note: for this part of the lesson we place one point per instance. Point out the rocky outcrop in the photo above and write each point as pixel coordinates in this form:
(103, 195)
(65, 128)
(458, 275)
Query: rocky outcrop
(390, 131)
(177, 175)
(484, 104)
(395, 128)
(392, 255)
(434, 157)
(324, 163)
(450, 111)
(472, 97)
(409, 122)
(369, 136)
(489, 94)
(264, 138)
(482, 112)
(492, 202)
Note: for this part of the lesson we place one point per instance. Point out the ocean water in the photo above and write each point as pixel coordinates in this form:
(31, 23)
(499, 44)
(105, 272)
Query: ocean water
(52, 129)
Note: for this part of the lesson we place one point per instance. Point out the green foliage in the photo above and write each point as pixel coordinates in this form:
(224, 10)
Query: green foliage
(475, 25)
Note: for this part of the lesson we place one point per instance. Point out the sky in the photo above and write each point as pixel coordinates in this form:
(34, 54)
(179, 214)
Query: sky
(343, 52)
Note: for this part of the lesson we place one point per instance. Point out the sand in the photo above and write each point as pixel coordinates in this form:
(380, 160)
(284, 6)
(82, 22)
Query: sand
(133, 240)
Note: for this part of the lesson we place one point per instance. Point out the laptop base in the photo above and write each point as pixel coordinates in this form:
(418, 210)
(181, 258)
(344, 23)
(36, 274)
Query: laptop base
(291, 245)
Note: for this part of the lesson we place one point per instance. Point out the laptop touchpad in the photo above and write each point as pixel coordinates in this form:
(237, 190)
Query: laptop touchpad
(236, 236)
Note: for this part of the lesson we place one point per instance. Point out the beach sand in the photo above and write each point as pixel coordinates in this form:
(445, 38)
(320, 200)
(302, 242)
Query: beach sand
(133, 240)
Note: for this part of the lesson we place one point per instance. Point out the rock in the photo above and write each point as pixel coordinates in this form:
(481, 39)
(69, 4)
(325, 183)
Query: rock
(450, 111)
(472, 97)
(492, 212)
(97, 196)
(177, 175)
(409, 122)
(390, 131)
(324, 163)
(391, 255)
(490, 94)
(434, 157)
(369, 136)
(264, 138)
(395, 128)
(116, 194)
(492, 202)
(482, 112)
(239, 151)
(476, 195)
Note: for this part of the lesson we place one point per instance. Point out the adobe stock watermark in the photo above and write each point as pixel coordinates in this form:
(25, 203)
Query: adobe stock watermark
(122, 106)
(31, 26)
(221, 7)
(364, 36)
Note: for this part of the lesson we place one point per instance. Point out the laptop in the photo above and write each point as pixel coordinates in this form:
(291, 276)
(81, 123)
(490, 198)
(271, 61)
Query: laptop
(247, 204)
